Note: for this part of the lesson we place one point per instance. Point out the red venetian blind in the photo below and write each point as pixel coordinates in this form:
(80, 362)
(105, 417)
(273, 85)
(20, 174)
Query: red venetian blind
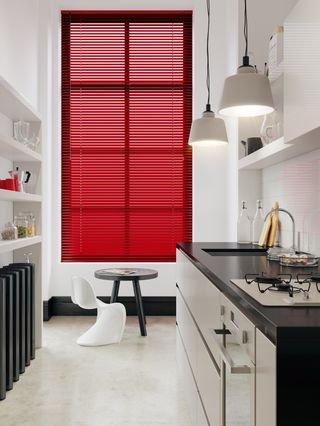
(126, 115)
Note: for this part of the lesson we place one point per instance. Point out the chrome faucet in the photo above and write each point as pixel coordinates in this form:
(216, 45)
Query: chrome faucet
(293, 224)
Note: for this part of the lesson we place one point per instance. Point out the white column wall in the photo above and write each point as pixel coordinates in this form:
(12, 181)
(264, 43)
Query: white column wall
(19, 66)
(211, 171)
(19, 46)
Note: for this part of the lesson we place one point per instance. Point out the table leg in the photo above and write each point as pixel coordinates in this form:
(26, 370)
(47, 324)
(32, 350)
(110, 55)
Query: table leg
(115, 291)
(137, 293)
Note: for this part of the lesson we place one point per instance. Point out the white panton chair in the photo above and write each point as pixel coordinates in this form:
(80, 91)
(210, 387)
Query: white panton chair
(111, 318)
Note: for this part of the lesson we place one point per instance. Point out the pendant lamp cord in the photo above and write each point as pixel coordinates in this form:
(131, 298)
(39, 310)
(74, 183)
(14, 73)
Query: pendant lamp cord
(208, 57)
(245, 28)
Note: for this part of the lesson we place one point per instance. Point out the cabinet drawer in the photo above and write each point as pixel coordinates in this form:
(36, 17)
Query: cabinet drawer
(196, 412)
(207, 313)
(201, 417)
(241, 328)
(186, 379)
(202, 298)
(208, 381)
(187, 280)
(187, 330)
(205, 369)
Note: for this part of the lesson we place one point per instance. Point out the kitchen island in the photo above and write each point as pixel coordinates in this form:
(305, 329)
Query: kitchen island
(285, 340)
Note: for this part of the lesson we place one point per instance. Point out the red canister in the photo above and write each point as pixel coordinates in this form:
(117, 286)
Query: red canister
(10, 184)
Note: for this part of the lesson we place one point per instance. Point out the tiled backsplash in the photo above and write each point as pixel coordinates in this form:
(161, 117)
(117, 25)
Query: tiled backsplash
(295, 184)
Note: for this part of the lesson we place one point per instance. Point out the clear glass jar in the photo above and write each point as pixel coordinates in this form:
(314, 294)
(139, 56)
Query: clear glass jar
(22, 224)
(10, 232)
(31, 231)
(310, 239)
(271, 128)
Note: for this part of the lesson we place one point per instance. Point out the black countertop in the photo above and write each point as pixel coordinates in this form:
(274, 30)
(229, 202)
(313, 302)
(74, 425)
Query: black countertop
(276, 322)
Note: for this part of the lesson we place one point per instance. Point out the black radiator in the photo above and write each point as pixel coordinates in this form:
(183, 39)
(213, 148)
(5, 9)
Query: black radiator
(3, 384)
(17, 322)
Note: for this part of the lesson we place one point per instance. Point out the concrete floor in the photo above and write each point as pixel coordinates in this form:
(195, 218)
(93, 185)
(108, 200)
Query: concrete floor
(131, 384)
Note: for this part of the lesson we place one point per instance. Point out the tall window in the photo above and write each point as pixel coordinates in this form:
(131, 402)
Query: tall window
(126, 115)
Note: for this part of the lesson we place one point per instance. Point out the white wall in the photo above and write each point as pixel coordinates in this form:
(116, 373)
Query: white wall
(295, 185)
(212, 174)
(263, 18)
(19, 36)
(19, 66)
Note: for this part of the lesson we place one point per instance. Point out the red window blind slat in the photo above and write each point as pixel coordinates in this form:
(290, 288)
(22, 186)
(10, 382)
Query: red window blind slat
(126, 115)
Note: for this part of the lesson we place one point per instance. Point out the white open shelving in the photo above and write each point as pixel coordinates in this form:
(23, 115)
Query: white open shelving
(6, 195)
(280, 150)
(264, 157)
(16, 151)
(15, 107)
(20, 243)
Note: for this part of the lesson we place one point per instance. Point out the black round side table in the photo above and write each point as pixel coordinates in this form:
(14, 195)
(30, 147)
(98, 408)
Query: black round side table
(128, 274)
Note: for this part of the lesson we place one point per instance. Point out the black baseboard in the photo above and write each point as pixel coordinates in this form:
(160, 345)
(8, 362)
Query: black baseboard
(63, 306)
(47, 314)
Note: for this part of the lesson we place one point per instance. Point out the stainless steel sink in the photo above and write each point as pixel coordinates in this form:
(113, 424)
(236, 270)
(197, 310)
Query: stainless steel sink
(237, 252)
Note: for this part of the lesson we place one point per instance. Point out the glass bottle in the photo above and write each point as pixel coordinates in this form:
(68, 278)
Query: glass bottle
(258, 222)
(31, 224)
(21, 223)
(244, 225)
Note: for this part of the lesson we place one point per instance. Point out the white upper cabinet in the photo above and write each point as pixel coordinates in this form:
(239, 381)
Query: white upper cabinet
(302, 71)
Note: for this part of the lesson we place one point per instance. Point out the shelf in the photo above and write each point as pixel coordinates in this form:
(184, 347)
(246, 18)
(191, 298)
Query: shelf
(6, 195)
(16, 151)
(279, 151)
(6, 246)
(265, 157)
(14, 105)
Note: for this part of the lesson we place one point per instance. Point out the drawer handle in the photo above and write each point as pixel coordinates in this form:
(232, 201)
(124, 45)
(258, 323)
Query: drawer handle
(222, 310)
(232, 367)
(233, 320)
(243, 335)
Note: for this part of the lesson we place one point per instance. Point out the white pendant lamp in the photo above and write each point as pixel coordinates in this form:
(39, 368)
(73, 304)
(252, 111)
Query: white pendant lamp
(208, 130)
(246, 94)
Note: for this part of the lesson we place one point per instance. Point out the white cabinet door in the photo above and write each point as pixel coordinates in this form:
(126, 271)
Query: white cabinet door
(302, 69)
(265, 381)
(208, 380)
(187, 330)
(187, 279)
(187, 381)
(207, 312)
(205, 370)
(202, 297)
(201, 417)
